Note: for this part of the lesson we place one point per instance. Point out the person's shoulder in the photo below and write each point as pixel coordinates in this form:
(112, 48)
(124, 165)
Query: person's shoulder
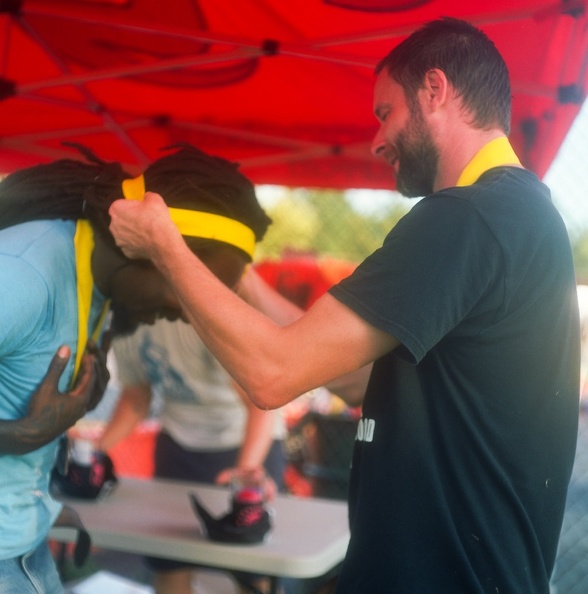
(160, 332)
(132, 341)
(514, 191)
(444, 203)
(499, 185)
(512, 176)
(43, 235)
(166, 330)
(22, 256)
(25, 294)
(178, 331)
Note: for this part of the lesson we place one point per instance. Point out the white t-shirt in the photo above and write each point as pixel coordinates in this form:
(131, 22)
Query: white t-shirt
(200, 408)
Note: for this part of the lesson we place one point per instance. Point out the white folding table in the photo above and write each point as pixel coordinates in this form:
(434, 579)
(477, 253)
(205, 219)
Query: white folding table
(154, 517)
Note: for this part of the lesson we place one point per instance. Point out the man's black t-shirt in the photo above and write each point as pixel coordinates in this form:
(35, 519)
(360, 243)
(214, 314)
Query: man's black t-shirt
(468, 431)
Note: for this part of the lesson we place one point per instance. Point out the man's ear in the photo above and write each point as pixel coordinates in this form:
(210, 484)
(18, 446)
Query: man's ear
(436, 88)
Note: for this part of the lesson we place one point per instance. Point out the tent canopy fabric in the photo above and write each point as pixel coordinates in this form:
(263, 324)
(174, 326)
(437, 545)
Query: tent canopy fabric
(282, 87)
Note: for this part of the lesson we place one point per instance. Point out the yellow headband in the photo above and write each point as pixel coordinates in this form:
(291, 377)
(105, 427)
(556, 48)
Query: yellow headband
(195, 223)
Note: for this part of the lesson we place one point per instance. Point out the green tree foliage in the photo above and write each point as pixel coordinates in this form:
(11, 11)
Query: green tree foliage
(580, 252)
(326, 223)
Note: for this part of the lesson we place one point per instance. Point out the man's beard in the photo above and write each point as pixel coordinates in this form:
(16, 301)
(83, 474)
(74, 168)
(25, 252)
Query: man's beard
(418, 158)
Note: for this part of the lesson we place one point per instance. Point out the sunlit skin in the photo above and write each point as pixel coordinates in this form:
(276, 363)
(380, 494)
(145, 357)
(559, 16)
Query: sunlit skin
(441, 124)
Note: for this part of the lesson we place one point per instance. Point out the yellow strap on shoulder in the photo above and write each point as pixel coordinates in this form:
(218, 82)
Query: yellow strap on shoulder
(195, 223)
(496, 153)
(84, 245)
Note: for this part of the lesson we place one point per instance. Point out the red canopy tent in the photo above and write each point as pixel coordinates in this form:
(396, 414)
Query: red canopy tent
(283, 87)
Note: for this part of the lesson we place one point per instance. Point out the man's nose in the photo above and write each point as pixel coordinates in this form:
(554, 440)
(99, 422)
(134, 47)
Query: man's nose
(378, 143)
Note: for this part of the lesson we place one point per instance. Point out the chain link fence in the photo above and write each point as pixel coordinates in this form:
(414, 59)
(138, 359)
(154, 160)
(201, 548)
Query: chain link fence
(568, 180)
(571, 569)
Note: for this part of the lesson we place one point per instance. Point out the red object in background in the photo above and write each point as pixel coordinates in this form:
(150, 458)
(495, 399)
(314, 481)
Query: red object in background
(283, 88)
(133, 456)
(303, 279)
(296, 483)
(299, 279)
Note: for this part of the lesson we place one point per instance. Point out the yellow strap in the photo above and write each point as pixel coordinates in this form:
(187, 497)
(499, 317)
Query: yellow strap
(84, 245)
(496, 153)
(194, 223)
(134, 188)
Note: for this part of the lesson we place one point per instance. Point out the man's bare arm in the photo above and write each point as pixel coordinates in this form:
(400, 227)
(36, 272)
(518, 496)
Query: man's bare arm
(132, 407)
(273, 364)
(254, 290)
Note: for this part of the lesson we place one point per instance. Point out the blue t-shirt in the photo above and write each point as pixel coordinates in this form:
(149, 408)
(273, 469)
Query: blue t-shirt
(39, 313)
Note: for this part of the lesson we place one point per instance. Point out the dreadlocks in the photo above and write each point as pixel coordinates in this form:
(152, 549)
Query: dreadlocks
(70, 189)
(193, 180)
(64, 189)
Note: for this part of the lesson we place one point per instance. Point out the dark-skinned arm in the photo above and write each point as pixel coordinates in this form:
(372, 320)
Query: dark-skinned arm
(52, 412)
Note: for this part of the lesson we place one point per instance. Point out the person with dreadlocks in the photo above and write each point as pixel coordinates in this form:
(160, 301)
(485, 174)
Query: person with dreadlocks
(210, 432)
(60, 271)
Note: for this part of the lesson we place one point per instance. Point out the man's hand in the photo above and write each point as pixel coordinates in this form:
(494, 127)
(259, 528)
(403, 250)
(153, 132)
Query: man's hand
(137, 224)
(239, 478)
(102, 374)
(52, 412)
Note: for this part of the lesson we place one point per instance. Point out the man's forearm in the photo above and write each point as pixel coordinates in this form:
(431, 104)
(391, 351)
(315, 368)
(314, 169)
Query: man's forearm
(258, 436)
(24, 435)
(255, 291)
(132, 407)
(236, 333)
(274, 364)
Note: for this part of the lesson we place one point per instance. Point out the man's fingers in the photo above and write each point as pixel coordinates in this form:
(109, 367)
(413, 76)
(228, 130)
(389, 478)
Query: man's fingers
(91, 347)
(119, 206)
(86, 376)
(100, 362)
(102, 375)
(224, 476)
(133, 224)
(57, 365)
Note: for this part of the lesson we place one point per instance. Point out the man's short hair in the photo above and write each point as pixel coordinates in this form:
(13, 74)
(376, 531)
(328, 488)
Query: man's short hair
(469, 59)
